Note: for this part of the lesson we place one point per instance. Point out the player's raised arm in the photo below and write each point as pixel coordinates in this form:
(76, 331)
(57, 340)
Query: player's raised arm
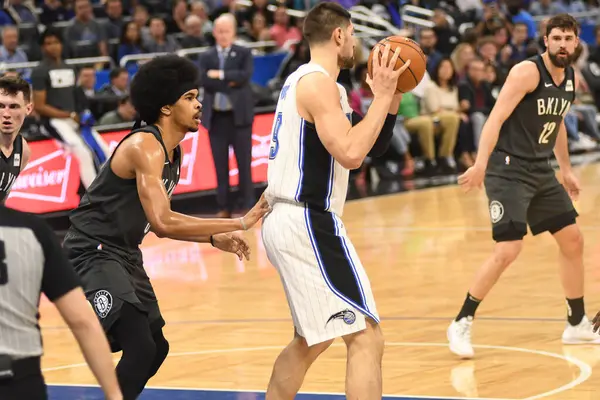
(522, 79)
(147, 159)
(318, 100)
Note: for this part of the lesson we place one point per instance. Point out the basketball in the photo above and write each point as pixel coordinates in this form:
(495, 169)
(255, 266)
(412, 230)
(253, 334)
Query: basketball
(409, 50)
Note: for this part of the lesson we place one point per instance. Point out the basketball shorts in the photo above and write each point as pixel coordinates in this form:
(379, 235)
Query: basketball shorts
(524, 192)
(326, 286)
(109, 278)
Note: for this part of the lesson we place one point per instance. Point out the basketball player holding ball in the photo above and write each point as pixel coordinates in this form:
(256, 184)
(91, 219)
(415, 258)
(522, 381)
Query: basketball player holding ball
(523, 130)
(316, 140)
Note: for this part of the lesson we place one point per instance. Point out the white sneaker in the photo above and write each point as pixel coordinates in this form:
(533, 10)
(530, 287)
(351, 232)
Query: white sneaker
(459, 336)
(580, 334)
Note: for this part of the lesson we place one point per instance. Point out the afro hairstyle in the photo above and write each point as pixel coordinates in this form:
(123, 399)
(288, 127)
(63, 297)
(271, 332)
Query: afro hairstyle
(160, 82)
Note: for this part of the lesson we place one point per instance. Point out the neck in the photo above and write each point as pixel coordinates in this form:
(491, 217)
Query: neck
(6, 141)
(171, 134)
(443, 84)
(321, 55)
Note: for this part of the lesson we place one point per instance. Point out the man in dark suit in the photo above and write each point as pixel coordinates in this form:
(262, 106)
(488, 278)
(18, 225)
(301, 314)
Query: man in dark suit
(228, 110)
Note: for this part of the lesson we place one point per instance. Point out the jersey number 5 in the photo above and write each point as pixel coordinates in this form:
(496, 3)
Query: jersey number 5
(275, 146)
(3, 266)
(549, 128)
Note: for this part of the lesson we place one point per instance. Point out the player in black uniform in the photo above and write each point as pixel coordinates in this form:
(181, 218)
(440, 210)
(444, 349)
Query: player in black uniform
(523, 130)
(15, 105)
(131, 196)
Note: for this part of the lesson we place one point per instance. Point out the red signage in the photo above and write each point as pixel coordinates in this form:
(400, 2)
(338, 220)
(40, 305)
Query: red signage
(50, 181)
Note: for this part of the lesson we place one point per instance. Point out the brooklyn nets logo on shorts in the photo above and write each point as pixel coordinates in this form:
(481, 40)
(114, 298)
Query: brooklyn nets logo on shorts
(102, 303)
(347, 316)
(496, 211)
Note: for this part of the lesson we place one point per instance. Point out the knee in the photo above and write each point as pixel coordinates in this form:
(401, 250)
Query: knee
(571, 244)
(507, 252)
(371, 339)
(142, 352)
(162, 348)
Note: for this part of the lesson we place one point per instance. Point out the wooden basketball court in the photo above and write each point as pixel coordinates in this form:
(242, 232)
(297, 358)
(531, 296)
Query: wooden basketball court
(227, 320)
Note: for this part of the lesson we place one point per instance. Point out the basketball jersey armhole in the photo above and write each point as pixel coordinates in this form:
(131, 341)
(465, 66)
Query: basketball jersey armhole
(541, 73)
(318, 69)
(146, 129)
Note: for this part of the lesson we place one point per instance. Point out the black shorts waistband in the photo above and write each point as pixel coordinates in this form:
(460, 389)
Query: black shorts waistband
(78, 241)
(535, 160)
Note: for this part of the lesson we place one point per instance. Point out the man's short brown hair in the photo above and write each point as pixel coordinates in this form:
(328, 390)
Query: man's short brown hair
(564, 22)
(323, 19)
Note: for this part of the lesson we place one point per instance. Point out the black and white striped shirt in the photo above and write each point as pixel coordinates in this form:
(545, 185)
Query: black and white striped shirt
(31, 262)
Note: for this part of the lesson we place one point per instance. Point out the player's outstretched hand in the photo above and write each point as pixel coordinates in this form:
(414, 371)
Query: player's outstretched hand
(385, 78)
(596, 322)
(472, 178)
(232, 243)
(256, 213)
(571, 184)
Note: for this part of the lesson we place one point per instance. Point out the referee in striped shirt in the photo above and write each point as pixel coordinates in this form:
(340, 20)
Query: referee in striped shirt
(32, 262)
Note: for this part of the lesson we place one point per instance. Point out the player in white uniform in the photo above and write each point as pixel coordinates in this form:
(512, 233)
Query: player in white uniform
(313, 146)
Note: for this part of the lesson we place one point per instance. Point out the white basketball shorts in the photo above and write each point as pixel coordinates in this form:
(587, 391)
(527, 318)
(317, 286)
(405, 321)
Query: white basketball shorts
(325, 283)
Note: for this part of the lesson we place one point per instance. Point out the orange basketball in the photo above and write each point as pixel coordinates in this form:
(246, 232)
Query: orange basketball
(409, 50)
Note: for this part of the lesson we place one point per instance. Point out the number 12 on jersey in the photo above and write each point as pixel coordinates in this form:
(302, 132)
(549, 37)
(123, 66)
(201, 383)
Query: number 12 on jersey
(549, 128)
(275, 136)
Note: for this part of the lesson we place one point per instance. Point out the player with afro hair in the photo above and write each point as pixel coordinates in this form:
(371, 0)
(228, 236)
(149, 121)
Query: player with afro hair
(130, 197)
(161, 82)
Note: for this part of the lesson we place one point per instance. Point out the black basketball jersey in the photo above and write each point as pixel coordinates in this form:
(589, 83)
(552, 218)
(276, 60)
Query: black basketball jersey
(530, 131)
(10, 167)
(111, 212)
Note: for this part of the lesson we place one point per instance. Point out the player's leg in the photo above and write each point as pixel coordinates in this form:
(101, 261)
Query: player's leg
(552, 210)
(219, 136)
(363, 364)
(242, 147)
(291, 367)
(322, 288)
(508, 202)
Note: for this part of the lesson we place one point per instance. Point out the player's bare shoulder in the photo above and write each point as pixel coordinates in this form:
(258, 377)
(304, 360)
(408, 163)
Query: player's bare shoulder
(524, 75)
(316, 92)
(140, 150)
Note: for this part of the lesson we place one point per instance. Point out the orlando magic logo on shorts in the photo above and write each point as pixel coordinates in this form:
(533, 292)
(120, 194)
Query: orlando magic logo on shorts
(347, 316)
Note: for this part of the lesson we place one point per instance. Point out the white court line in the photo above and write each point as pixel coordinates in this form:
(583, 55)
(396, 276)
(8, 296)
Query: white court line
(585, 371)
(451, 228)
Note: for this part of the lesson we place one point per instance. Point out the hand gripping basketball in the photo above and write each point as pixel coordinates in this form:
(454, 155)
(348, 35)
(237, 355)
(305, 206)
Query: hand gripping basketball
(385, 77)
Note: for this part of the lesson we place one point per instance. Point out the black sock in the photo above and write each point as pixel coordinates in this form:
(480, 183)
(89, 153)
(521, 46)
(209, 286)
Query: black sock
(575, 310)
(469, 307)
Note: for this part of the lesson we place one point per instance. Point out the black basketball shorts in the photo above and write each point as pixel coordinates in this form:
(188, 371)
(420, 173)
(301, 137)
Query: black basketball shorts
(110, 279)
(522, 192)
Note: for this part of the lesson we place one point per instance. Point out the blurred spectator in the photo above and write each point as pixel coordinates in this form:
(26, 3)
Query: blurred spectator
(494, 79)
(226, 7)
(519, 42)
(10, 52)
(493, 18)
(519, 15)
(501, 37)
(115, 23)
(257, 7)
(488, 50)
(85, 37)
(87, 81)
(461, 56)
(21, 12)
(58, 102)
(386, 9)
(54, 11)
(159, 41)
(131, 41)
(142, 19)
(281, 31)
(125, 112)
(447, 36)
(228, 110)
(200, 9)
(118, 85)
(475, 96)
(175, 23)
(258, 30)
(194, 37)
(546, 7)
(427, 41)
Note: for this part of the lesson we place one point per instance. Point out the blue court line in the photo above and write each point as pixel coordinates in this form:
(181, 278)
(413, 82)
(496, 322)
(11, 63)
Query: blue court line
(268, 320)
(94, 393)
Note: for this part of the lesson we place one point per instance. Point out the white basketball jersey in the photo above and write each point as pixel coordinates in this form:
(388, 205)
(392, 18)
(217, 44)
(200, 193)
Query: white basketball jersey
(300, 169)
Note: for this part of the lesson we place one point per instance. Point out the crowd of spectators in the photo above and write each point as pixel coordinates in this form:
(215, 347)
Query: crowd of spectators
(439, 122)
